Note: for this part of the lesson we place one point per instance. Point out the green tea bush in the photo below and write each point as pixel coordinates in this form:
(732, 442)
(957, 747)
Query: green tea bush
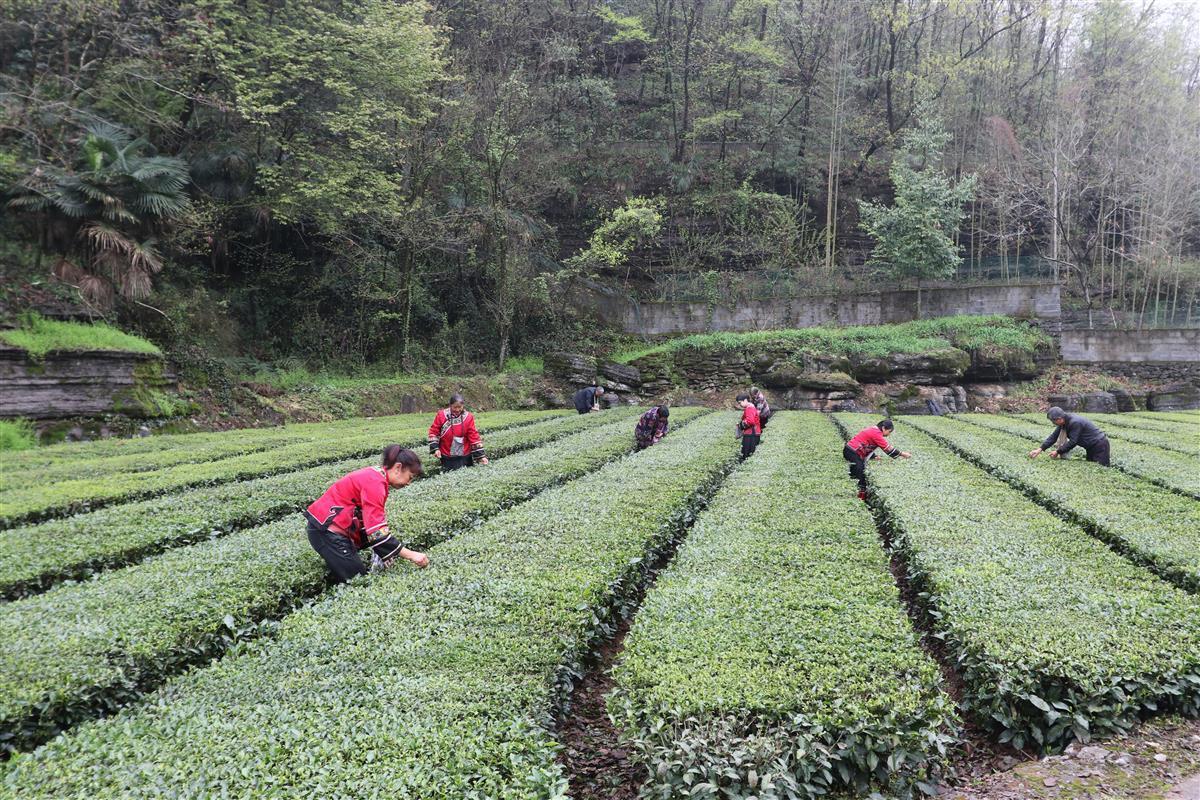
(1176, 471)
(434, 683)
(34, 557)
(1179, 436)
(1151, 525)
(1192, 417)
(773, 659)
(83, 649)
(84, 491)
(1055, 636)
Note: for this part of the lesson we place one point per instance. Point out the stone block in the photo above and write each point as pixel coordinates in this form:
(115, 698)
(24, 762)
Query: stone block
(1127, 401)
(572, 368)
(1085, 402)
(829, 382)
(1177, 397)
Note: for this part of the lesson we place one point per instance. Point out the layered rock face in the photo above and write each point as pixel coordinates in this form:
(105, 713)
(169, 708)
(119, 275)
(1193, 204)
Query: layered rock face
(81, 384)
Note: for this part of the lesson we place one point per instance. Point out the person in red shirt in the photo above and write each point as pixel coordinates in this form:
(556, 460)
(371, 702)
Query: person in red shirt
(350, 516)
(860, 448)
(453, 437)
(749, 427)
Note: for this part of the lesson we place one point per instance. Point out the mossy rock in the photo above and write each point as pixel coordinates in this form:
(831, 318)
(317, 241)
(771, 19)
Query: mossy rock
(943, 365)
(829, 382)
(784, 376)
(996, 364)
(147, 396)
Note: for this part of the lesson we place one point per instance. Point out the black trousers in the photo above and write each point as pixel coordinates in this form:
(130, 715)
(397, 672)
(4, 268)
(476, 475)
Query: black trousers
(749, 444)
(1098, 452)
(339, 552)
(450, 463)
(858, 466)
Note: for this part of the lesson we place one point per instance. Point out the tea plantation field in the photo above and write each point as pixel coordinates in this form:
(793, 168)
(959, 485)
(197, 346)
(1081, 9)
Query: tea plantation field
(167, 631)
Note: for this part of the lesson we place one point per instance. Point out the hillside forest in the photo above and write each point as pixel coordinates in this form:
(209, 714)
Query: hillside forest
(346, 183)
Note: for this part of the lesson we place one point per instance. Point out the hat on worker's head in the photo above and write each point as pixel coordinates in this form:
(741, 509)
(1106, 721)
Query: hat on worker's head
(1055, 413)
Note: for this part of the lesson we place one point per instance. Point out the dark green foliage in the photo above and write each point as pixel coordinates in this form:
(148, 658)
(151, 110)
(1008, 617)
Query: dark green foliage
(34, 557)
(1056, 637)
(446, 700)
(1153, 525)
(77, 491)
(773, 658)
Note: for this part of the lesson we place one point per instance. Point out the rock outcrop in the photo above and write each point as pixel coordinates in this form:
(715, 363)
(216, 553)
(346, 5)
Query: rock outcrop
(1176, 397)
(71, 384)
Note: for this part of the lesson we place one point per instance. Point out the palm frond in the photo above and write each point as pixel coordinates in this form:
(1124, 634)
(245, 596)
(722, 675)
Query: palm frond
(134, 283)
(70, 206)
(106, 238)
(159, 205)
(161, 167)
(144, 256)
(30, 202)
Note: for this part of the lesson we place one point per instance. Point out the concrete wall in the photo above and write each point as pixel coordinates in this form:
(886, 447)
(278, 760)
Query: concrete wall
(1178, 345)
(1038, 301)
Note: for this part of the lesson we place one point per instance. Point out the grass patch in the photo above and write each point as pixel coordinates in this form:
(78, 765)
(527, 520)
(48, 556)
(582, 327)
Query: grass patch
(528, 364)
(967, 332)
(17, 434)
(39, 336)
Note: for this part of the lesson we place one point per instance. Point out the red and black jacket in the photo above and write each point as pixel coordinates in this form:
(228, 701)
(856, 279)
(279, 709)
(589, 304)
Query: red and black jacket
(354, 506)
(455, 436)
(750, 422)
(866, 440)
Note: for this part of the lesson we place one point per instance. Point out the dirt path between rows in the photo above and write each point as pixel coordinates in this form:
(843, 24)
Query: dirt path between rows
(1156, 761)
(596, 763)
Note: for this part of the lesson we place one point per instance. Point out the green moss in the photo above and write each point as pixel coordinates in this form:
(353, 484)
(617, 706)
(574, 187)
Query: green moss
(146, 398)
(986, 334)
(39, 336)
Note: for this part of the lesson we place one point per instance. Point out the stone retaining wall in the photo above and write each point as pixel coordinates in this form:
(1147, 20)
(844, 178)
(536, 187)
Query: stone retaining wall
(1038, 301)
(1169, 345)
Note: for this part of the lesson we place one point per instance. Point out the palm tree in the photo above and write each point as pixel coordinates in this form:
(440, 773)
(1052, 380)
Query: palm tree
(104, 216)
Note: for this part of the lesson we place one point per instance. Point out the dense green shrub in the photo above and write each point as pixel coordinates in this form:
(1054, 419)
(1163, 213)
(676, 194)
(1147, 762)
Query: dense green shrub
(16, 434)
(1180, 436)
(126, 630)
(81, 490)
(1152, 525)
(34, 557)
(1177, 471)
(419, 684)
(772, 658)
(967, 332)
(1055, 636)
(1192, 417)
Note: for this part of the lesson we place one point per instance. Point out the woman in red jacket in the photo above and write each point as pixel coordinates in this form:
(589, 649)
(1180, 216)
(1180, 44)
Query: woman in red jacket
(350, 516)
(860, 448)
(453, 437)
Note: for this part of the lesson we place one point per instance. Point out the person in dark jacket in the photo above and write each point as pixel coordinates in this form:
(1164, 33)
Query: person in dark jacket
(1071, 430)
(652, 427)
(862, 447)
(350, 517)
(587, 399)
